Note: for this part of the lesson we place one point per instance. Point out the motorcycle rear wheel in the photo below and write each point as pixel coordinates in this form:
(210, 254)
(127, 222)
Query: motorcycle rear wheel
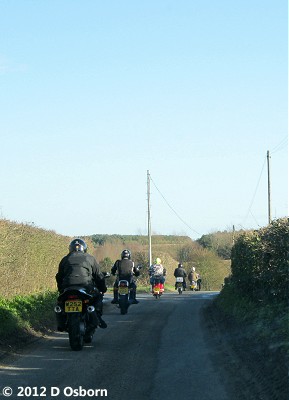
(123, 305)
(74, 332)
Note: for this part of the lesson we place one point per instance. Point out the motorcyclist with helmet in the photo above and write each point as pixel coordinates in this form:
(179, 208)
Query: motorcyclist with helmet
(194, 276)
(126, 270)
(80, 269)
(180, 273)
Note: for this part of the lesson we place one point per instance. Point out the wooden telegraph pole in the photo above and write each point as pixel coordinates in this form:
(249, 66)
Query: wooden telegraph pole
(149, 217)
(269, 187)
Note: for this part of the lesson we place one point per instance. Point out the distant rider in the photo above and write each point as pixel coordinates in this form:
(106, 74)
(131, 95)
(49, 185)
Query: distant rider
(125, 270)
(157, 271)
(193, 276)
(199, 281)
(80, 269)
(180, 273)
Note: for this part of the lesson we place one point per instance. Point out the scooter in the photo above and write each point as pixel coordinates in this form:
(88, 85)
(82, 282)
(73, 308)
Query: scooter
(193, 285)
(196, 285)
(157, 288)
(179, 284)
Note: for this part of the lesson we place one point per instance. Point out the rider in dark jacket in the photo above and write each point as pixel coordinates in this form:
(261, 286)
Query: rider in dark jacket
(126, 270)
(181, 273)
(80, 269)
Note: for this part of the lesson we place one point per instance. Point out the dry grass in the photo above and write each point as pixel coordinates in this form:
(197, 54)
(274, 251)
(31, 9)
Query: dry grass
(29, 257)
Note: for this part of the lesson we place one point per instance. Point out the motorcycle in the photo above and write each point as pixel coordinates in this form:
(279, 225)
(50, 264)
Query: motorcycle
(157, 287)
(77, 315)
(125, 294)
(179, 284)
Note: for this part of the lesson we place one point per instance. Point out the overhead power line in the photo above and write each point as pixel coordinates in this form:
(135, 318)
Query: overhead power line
(255, 219)
(282, 145)
(255, 192)
(180, 218)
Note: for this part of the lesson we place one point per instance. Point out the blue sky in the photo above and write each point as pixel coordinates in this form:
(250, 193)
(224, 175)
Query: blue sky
(94, 94)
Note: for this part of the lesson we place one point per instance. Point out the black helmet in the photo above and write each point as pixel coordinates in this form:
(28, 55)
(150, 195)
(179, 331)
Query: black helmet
(125, 254)
(78, 245)
(180, 265)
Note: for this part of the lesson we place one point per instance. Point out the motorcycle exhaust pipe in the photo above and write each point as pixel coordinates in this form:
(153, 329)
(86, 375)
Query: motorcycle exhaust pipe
(90, 309)
(57, 309)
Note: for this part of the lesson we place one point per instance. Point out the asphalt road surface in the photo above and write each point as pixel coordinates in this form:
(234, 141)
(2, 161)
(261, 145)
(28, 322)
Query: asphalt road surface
(159, 350)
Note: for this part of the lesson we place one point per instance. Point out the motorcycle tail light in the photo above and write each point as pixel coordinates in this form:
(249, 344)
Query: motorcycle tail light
(72, 296)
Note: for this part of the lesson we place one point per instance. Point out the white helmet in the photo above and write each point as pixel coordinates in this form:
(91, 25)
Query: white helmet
(194, 269)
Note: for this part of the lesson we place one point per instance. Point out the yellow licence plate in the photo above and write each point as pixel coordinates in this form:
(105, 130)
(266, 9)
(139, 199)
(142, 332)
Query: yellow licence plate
(73, 306)
(123, 290)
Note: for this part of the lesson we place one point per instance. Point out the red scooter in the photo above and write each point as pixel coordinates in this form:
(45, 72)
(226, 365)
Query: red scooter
(157, 287)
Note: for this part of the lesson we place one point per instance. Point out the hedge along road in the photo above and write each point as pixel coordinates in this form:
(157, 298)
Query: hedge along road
(160, 349)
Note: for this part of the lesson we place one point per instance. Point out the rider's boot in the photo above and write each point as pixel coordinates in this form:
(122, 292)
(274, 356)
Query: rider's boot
(102, 324)
(132, 297)
(60, 320)
(115, 296)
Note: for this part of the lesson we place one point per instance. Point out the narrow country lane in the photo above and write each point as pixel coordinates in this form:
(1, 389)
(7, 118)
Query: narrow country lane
(158, 350)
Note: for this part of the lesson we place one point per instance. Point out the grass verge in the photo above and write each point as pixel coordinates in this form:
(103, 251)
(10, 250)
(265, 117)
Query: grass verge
(25, 317)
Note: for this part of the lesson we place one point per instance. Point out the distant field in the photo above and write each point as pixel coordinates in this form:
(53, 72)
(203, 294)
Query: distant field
(29, 257)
